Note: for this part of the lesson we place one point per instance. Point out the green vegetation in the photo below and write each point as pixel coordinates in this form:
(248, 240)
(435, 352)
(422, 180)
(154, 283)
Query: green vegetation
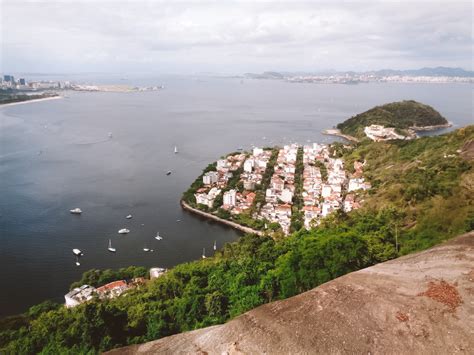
(7, 97)
(401, 115)
(422, 194)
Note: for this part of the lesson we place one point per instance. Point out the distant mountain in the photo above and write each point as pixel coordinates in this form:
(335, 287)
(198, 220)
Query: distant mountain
(438, 71)
(401, 115)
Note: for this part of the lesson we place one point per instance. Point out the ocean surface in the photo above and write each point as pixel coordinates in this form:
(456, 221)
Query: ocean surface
(56, 155)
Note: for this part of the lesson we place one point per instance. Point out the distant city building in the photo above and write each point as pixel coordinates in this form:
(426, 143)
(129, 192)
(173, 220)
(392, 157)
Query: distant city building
(156, 272)
(8, 78)
(113, 289)
(79, 295)
(22, 81)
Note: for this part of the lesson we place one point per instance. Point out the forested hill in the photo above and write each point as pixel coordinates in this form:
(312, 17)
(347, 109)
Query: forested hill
(401, 115)
(421, 195)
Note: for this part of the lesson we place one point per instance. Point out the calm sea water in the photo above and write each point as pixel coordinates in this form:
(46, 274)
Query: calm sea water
(79, 166)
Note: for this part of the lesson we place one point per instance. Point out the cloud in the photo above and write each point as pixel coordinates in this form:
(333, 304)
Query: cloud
(233, 36)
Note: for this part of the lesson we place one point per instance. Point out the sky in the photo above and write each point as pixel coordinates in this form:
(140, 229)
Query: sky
(232, 37)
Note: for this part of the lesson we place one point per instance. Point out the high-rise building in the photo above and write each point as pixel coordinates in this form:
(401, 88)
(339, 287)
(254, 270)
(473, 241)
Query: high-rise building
(8, 78)
(22, 81)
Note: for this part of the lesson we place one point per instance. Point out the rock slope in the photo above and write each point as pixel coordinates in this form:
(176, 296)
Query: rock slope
(417, 304)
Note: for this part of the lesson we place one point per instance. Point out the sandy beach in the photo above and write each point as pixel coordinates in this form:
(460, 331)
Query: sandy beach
(33, 100)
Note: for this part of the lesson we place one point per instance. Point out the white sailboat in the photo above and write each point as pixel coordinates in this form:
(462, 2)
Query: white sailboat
(77, 261)
(204, 253)
(112, 250)
(123, 231)
(215, 245)
(175, 149)
(158, 237)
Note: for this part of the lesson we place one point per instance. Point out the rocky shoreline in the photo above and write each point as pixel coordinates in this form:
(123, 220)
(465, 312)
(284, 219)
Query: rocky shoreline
(338, 133)
(212, 217)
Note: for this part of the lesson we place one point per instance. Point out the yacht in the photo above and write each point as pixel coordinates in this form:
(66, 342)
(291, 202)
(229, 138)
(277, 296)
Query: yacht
(77, 252)
(129, 216)
(112, 250)
(124, 231)
(158, 237)
(76, 211)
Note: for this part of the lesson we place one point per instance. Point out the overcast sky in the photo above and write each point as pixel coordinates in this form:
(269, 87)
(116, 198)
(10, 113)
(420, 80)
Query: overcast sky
(232, 37)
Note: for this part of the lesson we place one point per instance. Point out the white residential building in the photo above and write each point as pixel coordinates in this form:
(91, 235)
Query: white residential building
(229, 198)
(248, 165)
(211, 177)
(257, 151)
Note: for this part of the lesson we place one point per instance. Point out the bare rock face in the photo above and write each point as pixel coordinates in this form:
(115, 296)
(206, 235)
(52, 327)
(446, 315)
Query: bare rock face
(417, 304)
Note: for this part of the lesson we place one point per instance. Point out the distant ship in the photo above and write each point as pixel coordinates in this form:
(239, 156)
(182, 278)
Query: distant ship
(158, 237)
(124, 231)
(112, 250)
(110, 135)
(168, 172)
(76, 211)
(175, 149)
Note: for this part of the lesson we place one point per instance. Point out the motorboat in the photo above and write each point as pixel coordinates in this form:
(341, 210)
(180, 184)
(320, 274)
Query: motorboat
(175, 149)
(129, 216)
(112, 250)
(146, 249)
(77, 252)
(124, 231)
(76, 211)
(158, 237)
(168, 172)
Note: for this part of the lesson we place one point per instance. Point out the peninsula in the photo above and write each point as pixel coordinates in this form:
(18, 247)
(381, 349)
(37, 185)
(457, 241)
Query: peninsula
(277, 190)
(396, 120)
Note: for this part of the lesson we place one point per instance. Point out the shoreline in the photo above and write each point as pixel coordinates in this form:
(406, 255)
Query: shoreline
(432, 128)
(234, 225)
(32, 100)
(337, 133)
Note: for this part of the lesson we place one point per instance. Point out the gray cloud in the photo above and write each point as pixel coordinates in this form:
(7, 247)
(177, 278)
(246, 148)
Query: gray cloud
(233, 36)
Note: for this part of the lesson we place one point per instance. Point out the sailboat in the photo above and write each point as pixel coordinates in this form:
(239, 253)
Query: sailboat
(175, 149)
(215, 245)
(204, 253)
(77, 261)
(158, 237)
(112, 250)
